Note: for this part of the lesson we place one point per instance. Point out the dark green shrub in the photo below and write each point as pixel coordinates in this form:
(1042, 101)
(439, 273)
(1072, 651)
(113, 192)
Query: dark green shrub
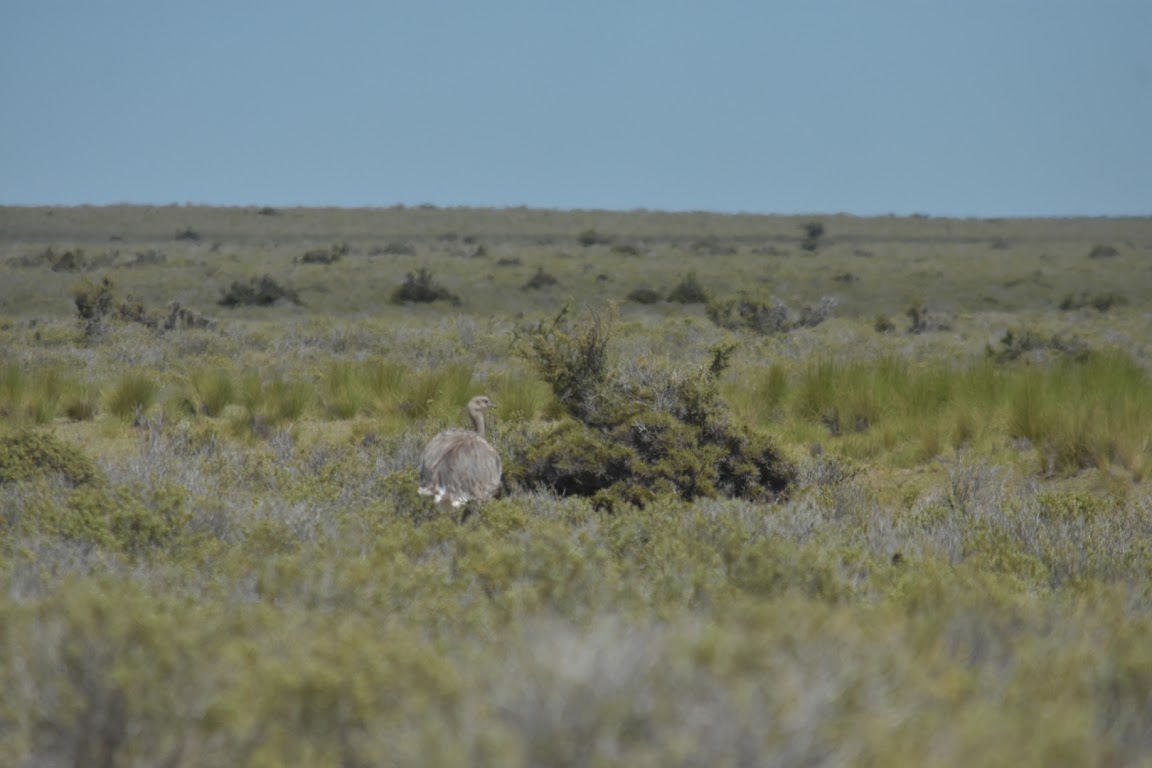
(540, 280)
(688, 291)
(644, 296)
(28, 455)
(261, 291)
(188, 234)
(1103, 252)
(813, 232)
(422, 288)
(590, 237)
(654, 433)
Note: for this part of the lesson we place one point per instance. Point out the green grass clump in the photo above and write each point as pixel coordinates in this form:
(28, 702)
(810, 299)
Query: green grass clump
(133, 394)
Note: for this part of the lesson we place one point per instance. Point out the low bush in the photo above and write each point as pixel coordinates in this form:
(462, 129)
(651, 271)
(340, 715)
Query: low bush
(688, 291)
(329, 255)
(1101, 302)
(421, 288)
(28, 455)
(767, 316)
(540, 280)
(656, 432)
(261, 291)
(644, 296)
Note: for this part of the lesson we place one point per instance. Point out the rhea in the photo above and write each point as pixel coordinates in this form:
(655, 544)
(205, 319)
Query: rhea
(459, 468)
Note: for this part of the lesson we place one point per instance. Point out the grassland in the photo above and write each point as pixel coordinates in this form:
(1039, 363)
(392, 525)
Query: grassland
(212, 553)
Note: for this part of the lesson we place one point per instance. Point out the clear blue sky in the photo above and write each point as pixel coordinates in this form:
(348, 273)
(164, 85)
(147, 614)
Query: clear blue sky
(945, 107)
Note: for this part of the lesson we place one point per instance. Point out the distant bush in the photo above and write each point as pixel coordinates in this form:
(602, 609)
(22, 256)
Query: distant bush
(508, 261)
(884, 324)
(591, 237)
(921, 320)
(713, 246)
(421, 288)
(329, 255)
(813, 232)
(635, 438)
(540, 280)
(1102, 302)
(688, 291)
(1029, 344)
(644, 296)
(1103, 252)
(67, 261)
(188, 234)
(626, 249)
(767, 316)
(71, 260)
(267, 211)
(394, 248)
(28, 455)
(261, 291)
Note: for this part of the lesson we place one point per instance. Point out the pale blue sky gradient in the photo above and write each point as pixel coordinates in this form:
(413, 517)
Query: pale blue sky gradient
(944, 107)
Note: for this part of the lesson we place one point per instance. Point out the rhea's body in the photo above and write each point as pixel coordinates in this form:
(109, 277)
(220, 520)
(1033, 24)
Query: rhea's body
(459, 466)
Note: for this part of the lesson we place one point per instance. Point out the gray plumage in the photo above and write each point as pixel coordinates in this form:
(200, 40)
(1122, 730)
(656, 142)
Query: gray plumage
(459, 466)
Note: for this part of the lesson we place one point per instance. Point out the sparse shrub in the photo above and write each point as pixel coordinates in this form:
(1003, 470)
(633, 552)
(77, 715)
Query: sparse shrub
(188, 234)
(1103, 252)
(572, 361)
(94, 302)
(27, 455)
(540, 280)
(267, 211)
(767, 316)
(884, 324)
(422, 288)
(508, 261)
(921, 320)
(846, 277)
(1029, 344)
(688, 291)
(261, 291)
(1101, 302)
(644, 296)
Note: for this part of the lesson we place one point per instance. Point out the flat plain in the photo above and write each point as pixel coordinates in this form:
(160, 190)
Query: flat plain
(779, 490)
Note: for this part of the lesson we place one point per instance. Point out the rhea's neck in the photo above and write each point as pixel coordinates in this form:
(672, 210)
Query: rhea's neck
(477, 421)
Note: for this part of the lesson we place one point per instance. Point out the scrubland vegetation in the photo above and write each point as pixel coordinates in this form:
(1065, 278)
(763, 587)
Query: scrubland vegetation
(779, 491)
